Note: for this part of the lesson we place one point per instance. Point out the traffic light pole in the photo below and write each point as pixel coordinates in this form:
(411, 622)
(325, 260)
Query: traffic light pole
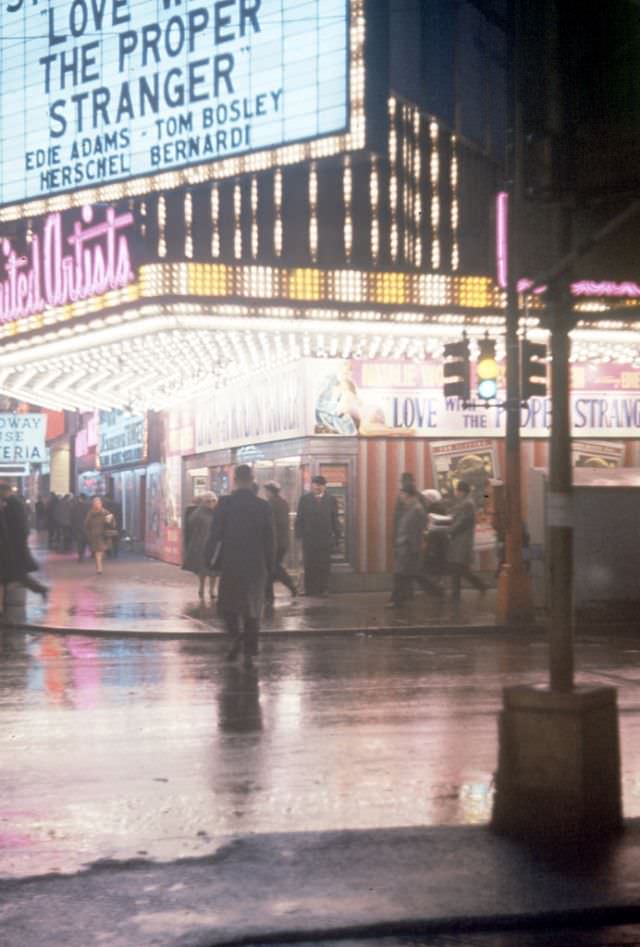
(559, 500)
(514, 603)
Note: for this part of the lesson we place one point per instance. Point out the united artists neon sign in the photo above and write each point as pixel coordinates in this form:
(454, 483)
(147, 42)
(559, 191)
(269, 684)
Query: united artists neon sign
(99, 260)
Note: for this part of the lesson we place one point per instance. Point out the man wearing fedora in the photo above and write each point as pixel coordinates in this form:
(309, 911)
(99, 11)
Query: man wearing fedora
(280, 511)
(318, 527)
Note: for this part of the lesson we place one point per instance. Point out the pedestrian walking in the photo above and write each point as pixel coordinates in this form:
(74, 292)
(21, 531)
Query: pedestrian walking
(461, 535)
(112, 506)
(40, 514)
(99, 526)
(16, 563)
(318, 527)
(241, 545)
(410, 521)
(79, 508)
(198, 525)
(51, 521)
(63, 522)
(280, 511)
(436, 546)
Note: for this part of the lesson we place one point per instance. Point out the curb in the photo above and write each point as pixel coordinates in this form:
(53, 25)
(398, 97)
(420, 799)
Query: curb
(219, 634)
(595, 917)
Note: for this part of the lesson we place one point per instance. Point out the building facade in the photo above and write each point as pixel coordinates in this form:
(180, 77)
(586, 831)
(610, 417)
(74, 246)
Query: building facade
(213, 262)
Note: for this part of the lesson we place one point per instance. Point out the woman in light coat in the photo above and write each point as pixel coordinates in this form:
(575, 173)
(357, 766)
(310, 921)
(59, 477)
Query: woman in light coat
(96, 526)
(198, 526)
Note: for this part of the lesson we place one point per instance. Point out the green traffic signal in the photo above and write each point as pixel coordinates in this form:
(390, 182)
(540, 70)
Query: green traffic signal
(487, 370)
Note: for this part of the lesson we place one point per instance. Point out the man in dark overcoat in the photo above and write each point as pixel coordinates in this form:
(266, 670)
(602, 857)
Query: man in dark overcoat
(461, 536)
(280, 511)
(241, 541)
(318, 527)
(17, 561)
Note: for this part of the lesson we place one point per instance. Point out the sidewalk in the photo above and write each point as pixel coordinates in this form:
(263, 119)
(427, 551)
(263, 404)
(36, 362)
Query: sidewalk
(136, 595)
(286, 887)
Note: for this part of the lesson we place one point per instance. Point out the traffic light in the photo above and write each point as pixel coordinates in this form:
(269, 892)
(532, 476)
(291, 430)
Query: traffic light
(456, 370)
(487, 370)
(534, 369)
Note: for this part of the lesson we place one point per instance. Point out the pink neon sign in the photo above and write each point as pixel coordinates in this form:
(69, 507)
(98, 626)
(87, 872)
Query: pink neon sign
(100, 260)
(502, 223)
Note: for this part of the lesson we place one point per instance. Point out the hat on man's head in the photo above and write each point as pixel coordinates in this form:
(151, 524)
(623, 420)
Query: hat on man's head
(319, 479)
(273, 486)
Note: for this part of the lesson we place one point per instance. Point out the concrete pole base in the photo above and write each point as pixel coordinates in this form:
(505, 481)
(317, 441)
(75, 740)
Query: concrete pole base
(558, 776)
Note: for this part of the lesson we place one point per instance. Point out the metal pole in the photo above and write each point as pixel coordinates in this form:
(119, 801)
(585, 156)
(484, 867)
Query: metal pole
(513, 602)
(559, 502)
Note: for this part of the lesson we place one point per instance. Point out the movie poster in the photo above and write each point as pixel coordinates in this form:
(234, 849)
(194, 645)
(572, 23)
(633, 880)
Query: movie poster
(597, 454)
(474, 461)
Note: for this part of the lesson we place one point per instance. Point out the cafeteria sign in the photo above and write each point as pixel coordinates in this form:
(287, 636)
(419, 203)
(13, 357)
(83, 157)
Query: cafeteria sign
(22, 438)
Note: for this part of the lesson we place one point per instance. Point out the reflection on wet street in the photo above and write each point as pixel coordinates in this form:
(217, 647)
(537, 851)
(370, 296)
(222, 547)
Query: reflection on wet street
(117, 748)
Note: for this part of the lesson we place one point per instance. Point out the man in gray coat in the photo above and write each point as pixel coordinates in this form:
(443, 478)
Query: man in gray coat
(461, 535)
(242, 542)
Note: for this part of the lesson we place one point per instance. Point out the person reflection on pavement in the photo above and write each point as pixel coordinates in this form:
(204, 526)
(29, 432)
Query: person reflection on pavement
(239, 708)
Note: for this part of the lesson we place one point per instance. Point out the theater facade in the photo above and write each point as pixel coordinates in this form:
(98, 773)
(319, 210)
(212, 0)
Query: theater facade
(237, 235)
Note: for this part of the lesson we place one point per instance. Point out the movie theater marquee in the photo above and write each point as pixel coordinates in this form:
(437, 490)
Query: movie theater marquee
(128, 96)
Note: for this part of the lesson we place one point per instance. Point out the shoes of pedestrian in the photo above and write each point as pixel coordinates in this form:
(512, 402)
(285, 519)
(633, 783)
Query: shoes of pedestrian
(232, 653)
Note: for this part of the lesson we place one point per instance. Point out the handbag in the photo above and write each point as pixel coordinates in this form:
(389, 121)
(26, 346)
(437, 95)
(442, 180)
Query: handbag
(109, 531)
(215, 563)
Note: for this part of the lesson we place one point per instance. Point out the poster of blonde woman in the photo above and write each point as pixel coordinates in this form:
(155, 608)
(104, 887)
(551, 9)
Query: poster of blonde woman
(342, 407)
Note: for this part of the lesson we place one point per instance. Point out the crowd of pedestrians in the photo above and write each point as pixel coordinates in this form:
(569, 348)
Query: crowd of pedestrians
(244, 539)
(69, 527)
(236, 545)
(431, 542)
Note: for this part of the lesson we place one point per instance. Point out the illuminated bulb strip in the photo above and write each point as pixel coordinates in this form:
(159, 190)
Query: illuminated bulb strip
(455, 205)
(188, 225)
(313, 211)
(215, 221)
(143, 218)
(393, 181)
(417, 189)
(347, 194)
(237, 221)
(255, 245)
(277, 212)
(162, 227)
(374, 197)
(434, 175)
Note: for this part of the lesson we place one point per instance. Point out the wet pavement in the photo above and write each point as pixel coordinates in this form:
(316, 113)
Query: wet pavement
(154, 794)
(124, 748)
(137, 595)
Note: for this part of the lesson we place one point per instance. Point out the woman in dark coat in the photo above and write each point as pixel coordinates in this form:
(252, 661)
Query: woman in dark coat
(96, 527)
(198, 527)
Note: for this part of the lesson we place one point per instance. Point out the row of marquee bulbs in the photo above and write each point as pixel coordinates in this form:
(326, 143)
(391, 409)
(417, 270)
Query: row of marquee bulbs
(172, 359)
